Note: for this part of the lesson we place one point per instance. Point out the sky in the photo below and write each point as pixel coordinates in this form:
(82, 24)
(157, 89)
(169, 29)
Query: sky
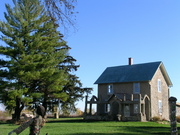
(110, 31)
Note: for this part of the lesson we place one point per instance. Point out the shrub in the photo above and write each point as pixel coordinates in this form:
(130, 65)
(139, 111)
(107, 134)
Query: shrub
(178, 118)
(156, 118)
(163, 119)
(4, 116)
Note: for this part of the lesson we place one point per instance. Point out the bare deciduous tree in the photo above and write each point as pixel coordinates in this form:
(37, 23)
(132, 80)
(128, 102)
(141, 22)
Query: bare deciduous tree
(62, 11)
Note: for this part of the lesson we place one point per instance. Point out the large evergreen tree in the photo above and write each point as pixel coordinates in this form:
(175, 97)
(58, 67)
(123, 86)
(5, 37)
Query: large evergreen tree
(31, 70)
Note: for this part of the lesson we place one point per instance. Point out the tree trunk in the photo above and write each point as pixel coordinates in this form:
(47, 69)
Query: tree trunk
(45, 105)
(45, 101)
(19, 107)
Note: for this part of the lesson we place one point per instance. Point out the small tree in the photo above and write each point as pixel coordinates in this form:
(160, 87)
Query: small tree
(79, 112)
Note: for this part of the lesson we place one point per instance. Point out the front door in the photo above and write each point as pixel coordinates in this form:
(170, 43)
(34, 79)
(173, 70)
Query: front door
(115, 109)
(147, 110)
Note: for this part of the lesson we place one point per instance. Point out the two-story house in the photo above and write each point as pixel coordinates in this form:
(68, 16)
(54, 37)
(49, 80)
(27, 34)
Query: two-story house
(136, 92)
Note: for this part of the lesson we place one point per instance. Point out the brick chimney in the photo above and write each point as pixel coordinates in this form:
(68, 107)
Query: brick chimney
(130, 61)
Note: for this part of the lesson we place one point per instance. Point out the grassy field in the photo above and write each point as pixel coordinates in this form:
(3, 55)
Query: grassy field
(76, 126)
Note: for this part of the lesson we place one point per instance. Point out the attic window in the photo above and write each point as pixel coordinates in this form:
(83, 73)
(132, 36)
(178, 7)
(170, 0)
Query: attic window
(159, 85)
(110, 89)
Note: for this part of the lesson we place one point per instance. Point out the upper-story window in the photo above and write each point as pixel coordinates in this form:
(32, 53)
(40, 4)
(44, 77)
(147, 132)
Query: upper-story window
(110, 89)
(136, 88)
(159, 85)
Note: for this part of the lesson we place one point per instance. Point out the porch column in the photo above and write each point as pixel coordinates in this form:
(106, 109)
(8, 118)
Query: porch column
(144, 109)
(90, 109)
(132, 97)
(140, 103)
(120, 109)
(124, 97)
(85, 109)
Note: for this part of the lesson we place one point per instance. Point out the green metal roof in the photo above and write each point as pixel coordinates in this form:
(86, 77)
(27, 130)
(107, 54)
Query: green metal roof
(131, 73)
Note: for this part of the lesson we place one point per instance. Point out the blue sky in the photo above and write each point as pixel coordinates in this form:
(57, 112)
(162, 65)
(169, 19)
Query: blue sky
(111, 31)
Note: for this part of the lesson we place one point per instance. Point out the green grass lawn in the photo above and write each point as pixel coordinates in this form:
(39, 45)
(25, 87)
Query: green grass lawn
(74, 126)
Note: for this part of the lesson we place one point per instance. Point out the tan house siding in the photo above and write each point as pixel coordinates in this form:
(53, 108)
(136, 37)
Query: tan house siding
(122, 88)
(156, 96)
(145, 89)
(102, 91)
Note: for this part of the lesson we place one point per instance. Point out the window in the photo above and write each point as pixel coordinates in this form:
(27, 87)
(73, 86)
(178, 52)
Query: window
(110, 89)
(136, 88)
(136, 107)
(159, 85)
(108, 107)
(126, 110)
(160, 107)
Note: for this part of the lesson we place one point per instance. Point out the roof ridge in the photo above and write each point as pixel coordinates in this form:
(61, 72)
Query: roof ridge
(136, 64)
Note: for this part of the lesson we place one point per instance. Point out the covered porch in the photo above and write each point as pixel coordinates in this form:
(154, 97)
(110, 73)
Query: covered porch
(120, 107)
